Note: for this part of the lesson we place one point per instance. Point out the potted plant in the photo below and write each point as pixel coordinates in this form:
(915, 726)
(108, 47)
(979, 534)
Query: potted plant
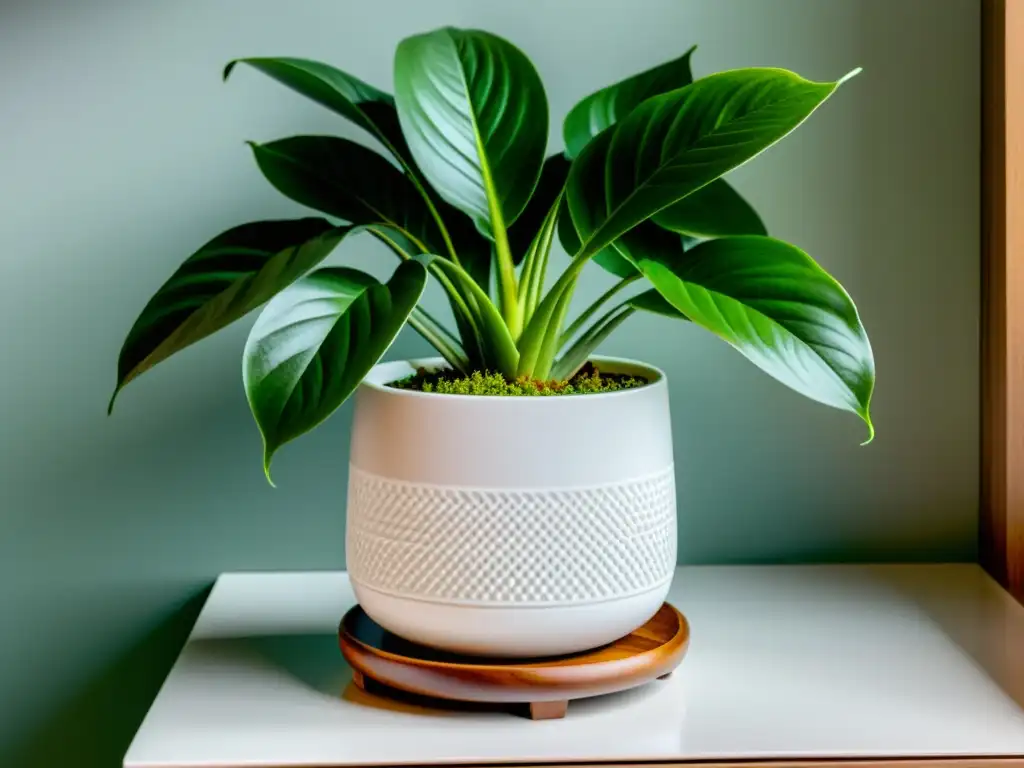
(515, 495)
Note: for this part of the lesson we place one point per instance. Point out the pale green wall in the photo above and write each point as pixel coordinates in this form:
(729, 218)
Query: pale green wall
(120, 150)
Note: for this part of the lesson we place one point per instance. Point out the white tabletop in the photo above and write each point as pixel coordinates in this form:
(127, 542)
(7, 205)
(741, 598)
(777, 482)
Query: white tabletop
(785, 661)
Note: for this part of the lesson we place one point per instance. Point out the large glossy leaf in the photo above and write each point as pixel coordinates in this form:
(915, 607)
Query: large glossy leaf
(549, 187)
(674, 144)
(604, 108)
(371, 109)
(714, 211)
(647, 240)
(783, 312)
(473, 110)
(224, 280)
(374, 111)
(314, 343)
(347, 180)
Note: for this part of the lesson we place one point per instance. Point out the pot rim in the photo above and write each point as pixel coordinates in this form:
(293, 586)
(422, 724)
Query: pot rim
(383, 373)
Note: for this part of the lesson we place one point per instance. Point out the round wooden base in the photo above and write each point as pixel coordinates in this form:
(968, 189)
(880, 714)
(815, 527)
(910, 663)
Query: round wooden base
(385, 661)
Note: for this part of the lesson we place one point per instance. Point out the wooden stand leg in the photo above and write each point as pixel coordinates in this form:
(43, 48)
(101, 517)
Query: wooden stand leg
(548, 710)
(358, 679)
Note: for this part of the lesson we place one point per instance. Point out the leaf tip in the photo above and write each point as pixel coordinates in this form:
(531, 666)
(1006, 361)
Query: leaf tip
(267, 456)
(849, 75)
(113, 397)
(227, 69)
(871, 428)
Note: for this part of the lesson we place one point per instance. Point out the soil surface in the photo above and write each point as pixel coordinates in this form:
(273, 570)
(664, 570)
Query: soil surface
(589, 380)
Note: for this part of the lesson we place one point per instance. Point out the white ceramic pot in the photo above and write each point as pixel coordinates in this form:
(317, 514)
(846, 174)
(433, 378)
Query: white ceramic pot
(511, 526)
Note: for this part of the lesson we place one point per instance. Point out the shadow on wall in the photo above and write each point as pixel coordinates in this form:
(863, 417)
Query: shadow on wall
(96, 726)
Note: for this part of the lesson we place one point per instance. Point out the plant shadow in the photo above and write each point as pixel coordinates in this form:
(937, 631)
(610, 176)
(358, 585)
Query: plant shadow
(316, 661)
(95, 727)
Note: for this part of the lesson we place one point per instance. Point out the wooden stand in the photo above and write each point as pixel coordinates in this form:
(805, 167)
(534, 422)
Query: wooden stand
(382, 662)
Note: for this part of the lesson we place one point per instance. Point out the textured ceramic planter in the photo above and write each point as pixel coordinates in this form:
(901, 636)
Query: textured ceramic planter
(511, 526)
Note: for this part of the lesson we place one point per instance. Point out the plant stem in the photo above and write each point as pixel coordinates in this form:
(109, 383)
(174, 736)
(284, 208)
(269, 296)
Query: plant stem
(414, 178)
(525, 277)
(507, 291)
(437, 218)
(577, 354)
(438, 327)
(435, 335)
(537, 347)
(535, 265)
(459, 306)
(464, 316)
(590, 311)
(550, 346)
(496, 338)
(551, 311)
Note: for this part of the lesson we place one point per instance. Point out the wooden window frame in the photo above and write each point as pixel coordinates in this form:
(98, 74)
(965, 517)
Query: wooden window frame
(1001, 530)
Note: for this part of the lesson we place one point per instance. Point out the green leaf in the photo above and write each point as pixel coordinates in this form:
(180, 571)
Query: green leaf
(653, 302)
(783, 312)
(647, 240)
(374, 111)
(473, 110)
(347, 180)
(221, 282)
(369, 108)
(607, 106)
(716, 210)
(674, 144)
(607, 258)
(549, 187)
(313, 344)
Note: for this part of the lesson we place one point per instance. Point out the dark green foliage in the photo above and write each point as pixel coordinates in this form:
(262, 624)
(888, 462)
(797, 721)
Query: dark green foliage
(462, 195)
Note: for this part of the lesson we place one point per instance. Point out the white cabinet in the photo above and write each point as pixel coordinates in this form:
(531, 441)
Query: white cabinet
(785, 662)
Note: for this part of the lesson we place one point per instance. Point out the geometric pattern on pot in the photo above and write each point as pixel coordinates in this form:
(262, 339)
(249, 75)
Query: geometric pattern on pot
(490, 545)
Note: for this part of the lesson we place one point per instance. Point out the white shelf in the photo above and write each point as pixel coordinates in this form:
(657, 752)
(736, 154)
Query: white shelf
(785, 661)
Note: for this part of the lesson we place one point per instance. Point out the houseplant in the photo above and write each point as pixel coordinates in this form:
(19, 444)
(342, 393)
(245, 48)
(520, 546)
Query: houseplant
(464, 530)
